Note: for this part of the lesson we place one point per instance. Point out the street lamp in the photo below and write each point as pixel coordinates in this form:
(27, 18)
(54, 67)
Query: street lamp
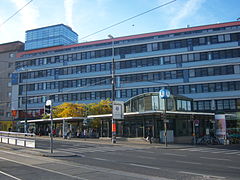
(26, 107)
(25, 123)
(113, 91)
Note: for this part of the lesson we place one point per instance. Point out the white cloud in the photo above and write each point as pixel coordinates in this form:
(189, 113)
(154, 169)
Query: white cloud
(68, 5)
(28, 15)
(185, 11)
(15, 27)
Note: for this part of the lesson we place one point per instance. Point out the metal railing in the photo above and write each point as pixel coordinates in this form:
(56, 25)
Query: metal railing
(18, 139)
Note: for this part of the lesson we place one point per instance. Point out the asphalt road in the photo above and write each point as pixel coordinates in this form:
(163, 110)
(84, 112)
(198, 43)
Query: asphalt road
(92, 160)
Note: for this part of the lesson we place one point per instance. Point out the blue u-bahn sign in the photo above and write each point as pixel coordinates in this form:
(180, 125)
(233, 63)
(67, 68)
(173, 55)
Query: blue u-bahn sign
(164, 93)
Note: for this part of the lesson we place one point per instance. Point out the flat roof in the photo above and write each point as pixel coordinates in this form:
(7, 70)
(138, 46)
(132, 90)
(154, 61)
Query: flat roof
(218, 25)
(153, 112)
(54, 119)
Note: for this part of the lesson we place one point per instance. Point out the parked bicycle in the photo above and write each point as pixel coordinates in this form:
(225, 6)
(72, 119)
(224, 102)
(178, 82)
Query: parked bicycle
(234, 140)
(205, 140)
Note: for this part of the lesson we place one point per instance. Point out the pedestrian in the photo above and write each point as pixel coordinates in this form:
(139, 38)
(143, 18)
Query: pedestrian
(149, 136)
(85, 134)
(54, 132)
(69, 133)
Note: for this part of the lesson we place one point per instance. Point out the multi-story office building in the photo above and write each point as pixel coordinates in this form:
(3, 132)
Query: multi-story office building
(55, 35)
(7, 66)
(201, 62)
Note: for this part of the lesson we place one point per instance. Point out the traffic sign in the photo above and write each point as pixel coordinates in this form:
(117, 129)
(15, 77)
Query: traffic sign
(49, 102)
(196, 122)
(164, 93)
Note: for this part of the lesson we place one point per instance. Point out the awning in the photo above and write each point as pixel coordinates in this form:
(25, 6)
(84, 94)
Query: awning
(54, 119)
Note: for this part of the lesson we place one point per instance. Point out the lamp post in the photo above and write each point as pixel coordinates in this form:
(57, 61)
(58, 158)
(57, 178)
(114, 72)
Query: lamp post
(26, 107)
(25, 123)
(113, 91)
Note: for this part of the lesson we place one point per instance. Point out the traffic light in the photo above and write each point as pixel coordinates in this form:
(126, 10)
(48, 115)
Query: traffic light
(47, 109)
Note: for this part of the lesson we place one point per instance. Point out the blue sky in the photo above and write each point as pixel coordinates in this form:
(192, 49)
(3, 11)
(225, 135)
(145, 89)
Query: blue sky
(88, 16)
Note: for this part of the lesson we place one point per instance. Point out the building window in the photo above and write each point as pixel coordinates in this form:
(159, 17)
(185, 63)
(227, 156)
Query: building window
(1, 112)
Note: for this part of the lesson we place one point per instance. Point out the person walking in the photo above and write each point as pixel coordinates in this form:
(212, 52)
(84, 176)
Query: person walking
(149, 135)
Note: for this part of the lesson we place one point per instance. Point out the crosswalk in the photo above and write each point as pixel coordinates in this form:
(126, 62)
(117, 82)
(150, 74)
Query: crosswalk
(212, 150)
(99, 149)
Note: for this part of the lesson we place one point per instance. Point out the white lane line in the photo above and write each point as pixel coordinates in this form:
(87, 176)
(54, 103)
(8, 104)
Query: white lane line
(138, 150)
(172, 154)
(101, 159)
(9, 175)
(222, 151)
(191, 149)
(233, 167)
(144, 166)
(95, 168)
(220, 159)
(145, 157)
(187, 162)
(49, 170)
(236, 152)
(203, 175)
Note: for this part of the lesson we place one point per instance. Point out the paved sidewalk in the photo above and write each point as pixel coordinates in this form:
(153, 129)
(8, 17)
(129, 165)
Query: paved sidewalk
(126, 142)
(106, 141)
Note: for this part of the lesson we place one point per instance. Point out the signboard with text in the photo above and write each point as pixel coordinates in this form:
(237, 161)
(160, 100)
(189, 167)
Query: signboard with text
(118, 110)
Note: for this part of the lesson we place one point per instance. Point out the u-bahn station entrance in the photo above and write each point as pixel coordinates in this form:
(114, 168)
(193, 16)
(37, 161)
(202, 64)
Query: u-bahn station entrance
(142, 114)
(148, 112)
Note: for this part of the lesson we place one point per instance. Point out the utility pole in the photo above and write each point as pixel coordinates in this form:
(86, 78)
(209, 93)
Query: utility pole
(113, 91)
(164, 94)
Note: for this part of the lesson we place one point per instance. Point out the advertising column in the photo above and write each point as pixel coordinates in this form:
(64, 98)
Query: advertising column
(220, 125)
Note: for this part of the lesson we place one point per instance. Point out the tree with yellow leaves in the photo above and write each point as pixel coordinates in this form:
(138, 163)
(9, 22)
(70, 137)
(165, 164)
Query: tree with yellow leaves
(103, 107)
(70, 110)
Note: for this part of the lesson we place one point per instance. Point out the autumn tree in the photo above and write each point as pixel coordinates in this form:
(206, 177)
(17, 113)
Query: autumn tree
(103, 107)
(70, 110)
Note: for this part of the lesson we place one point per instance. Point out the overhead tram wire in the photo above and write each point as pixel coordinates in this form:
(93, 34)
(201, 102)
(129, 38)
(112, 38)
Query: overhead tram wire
(15, 14)
(129, 19)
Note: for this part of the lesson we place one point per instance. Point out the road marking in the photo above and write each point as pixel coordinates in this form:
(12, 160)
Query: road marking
(9, 175)
(187, 162)
(215, 159)
(101, 159)
(144, 166)
(145, 151)
(146, 157)
(49, 170)
(222, 151)
(95, 168)
(213, 150)
(172, 154)
(232, 167)
(236, 152)
(204, 175)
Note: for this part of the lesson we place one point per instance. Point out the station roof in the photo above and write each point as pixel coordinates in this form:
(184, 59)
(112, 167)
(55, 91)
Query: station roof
(54, 119)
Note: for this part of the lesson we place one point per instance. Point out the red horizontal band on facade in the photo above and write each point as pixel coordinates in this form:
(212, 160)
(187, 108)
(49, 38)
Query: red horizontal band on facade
(211, 26)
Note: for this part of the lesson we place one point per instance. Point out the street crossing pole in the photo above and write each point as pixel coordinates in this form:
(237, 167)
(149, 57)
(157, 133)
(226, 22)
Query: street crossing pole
(164, 94)
(48, 110)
